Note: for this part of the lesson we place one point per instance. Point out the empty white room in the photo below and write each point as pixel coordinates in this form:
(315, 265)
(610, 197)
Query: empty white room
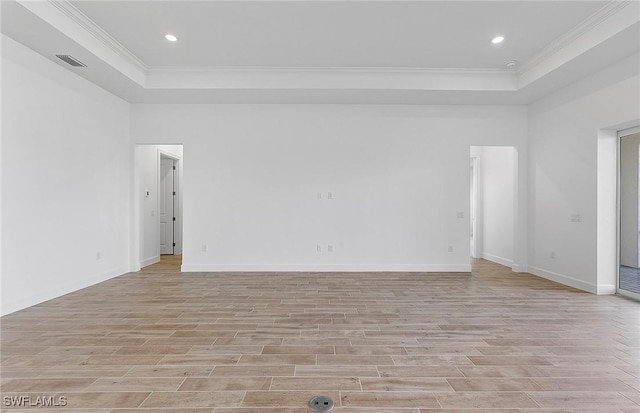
(389, 206)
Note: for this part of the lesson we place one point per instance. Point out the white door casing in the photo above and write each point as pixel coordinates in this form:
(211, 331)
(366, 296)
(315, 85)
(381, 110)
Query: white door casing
(166, 207)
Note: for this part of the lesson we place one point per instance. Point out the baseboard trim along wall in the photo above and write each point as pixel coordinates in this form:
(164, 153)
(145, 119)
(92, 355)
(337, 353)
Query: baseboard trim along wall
(519, 268)
(325, 268)
(28, 300)
(498, 260)
(149, 261)
(566, 280)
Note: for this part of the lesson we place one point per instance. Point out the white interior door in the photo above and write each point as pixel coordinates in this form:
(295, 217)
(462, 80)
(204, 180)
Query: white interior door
(166, 198)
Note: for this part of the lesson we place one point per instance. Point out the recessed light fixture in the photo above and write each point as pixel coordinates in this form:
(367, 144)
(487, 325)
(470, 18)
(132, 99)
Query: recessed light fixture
(497, 39)
(171, 38)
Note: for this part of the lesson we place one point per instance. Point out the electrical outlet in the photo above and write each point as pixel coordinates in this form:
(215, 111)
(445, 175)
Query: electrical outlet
(450, 249)
(319, 195)
(460, 215)
(552, 255)
(329, 195)
(329, 248)
(98, 255)
(576, 218)
(204, 247)
(318, 248)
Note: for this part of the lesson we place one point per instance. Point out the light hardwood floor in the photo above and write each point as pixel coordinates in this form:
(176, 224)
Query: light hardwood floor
(161, 341)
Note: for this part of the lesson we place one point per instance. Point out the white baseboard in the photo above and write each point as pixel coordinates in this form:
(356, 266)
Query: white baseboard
(496, 259)
(46, 293)
(606, 289)
(519, 268)
(564, 279)
(149, 261)
(325, 268)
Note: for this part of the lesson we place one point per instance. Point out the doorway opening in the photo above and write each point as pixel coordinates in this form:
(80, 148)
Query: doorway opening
(628, 282)
(159, 195)
(492, 194)
(167, 203)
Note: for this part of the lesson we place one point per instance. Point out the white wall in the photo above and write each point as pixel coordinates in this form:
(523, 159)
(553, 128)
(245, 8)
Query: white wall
(399, 175)
(147, 161)
(629, 151)
(65, 180)
(496, 202)
(564, 165)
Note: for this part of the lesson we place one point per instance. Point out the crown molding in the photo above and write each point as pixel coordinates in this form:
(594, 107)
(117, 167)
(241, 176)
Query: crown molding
(97, 32)
(579, 33)
(64, 17)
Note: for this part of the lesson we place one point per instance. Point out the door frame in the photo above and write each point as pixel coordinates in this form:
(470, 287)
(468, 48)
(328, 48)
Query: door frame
(621, 134)
(474, 205)
(176, 184)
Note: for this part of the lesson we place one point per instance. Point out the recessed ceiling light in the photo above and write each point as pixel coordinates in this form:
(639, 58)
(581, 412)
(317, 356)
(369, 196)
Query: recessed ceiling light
(497, 39)
(171, 38)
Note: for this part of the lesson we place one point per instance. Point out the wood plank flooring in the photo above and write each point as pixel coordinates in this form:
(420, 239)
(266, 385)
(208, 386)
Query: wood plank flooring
(162, 341)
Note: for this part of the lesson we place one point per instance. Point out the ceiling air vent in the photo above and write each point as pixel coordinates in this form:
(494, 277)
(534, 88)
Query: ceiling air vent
(70, 60)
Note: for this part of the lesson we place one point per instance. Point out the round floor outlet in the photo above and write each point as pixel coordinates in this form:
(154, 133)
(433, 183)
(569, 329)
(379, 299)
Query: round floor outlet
(321, 404)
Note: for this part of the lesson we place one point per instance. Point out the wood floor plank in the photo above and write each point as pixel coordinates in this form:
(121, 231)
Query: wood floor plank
(194, 399)
(226, 384)
(316, 383)
(388, 399)
(136, 384)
